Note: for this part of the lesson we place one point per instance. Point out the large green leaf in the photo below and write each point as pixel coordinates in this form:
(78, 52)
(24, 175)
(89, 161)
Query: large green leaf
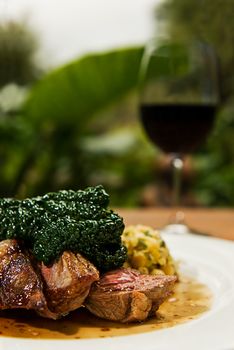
(75, 92)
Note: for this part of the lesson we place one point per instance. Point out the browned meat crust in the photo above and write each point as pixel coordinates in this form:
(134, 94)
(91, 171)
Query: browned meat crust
(20, 286)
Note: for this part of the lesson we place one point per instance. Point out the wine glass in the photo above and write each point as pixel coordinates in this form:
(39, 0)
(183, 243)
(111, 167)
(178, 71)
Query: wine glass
(179, 97)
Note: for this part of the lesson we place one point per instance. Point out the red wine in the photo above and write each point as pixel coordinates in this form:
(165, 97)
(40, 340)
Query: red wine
(177, 128)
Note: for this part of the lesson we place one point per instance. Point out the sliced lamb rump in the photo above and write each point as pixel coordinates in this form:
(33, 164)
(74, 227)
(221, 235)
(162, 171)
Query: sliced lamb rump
(67, 282)
(20, 286)
(125, 295)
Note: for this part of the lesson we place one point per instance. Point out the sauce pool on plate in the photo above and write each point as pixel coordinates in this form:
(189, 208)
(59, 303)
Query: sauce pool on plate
(188, 302)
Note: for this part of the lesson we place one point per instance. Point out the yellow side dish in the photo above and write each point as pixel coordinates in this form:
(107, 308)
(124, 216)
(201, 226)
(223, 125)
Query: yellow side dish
(147, 251)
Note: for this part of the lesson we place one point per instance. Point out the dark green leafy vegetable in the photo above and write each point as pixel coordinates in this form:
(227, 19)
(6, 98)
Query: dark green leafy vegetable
(66, 220)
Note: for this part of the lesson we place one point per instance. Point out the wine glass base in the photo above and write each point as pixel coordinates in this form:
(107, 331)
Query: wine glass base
(175, 229)
(180, 229)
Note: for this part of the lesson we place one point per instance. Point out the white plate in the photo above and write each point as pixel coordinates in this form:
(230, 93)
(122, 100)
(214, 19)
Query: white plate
(211, 261)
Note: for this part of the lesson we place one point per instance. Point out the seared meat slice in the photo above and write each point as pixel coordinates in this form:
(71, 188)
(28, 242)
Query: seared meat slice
(125, 295)
(20, 287)
(67, 282)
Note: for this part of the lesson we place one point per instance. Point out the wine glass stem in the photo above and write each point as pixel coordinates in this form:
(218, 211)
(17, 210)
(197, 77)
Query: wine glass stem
(177, 165)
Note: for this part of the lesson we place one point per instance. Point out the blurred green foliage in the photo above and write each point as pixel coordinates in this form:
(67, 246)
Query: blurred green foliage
(18, 46)
(207, 20)
(69, 129)
(78, 125)
(18, 70)
(66, 108)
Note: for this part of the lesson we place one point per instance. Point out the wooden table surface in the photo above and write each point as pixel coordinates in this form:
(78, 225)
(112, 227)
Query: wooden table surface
(215, 222)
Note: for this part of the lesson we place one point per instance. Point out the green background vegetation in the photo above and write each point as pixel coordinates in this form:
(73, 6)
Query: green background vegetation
(78, 125)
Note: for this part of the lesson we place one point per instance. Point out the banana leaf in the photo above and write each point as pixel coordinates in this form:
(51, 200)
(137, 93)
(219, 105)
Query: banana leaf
(75, 92)
(60, 108)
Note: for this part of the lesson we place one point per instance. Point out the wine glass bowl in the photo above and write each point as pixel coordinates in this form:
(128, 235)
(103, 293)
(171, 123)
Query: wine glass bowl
(178, 99)
(178, 128)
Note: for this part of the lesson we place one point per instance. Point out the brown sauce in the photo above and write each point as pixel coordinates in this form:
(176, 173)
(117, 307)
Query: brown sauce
(189, 301)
